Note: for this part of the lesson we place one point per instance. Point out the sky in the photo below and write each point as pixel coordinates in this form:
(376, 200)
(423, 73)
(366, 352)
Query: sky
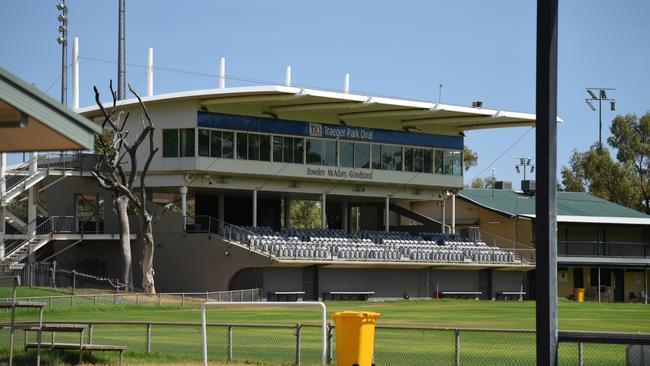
(477, 49)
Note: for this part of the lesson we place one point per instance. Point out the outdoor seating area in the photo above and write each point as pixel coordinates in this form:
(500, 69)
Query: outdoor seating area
(373, 246)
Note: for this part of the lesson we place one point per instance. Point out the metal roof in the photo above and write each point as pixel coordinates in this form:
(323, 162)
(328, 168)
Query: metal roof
(32, 121)
(577, 207)
(336, 107)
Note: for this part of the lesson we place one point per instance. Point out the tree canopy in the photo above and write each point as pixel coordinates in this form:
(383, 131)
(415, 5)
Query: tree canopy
(625, 180)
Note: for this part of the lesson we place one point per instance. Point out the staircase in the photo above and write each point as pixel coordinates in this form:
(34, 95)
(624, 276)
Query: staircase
(20, 185)
(38, 237)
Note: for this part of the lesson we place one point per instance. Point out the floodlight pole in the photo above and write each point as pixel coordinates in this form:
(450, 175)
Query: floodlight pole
(121, 58)
(545, 207)
(600, 96)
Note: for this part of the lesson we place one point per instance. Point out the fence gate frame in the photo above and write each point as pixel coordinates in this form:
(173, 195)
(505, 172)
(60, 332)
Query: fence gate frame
(319, 304)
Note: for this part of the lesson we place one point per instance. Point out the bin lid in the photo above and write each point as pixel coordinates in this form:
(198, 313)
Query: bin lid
(356, 314)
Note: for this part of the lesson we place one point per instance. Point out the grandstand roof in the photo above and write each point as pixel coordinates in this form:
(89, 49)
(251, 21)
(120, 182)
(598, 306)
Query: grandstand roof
(297, 103)
(575, 207)
(32, 121)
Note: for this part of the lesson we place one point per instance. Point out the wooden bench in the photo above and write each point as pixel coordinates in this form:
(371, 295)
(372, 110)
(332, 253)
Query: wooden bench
(83, 347)
(348, 295)
(463, 294)
(286, 295)
(506, 295)
(14, 282)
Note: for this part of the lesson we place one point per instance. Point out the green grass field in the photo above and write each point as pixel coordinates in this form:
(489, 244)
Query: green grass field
(172, 344)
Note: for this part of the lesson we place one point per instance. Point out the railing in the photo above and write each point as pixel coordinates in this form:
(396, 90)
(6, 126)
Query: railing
(299, 344)
(525, 252)
(134, 298)
(603, 249)
(212, 225)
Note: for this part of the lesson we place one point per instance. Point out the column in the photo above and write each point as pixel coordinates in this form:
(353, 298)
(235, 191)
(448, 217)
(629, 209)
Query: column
(183, 191)
(3, 188)
(31, 198)
(598, 288)
(387, 214)
(323, 213)
(287, 213)
(443, 215)
(453, 213)
(254, 208)
(344, 216)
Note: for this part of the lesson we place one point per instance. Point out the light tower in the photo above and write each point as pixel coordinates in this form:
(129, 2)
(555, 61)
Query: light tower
(524, 163)
(600, 94)
(63, 41)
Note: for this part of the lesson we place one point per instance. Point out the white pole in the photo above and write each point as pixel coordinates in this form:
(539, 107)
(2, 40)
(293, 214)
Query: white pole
(3, 172)
(443, 219)
(346, 84)
(183, 191)
(287, 76)
(222, 73)
(150, 72)
(75, 74)
(387, 214)
(254, 208)
(453, 213)
(323, 212)
(3, 188)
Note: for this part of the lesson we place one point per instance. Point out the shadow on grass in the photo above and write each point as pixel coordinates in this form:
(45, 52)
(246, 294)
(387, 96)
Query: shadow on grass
(51, 357)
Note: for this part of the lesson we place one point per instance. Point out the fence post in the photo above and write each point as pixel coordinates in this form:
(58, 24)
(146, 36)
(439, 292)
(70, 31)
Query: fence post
(50, 302)
(74, 281)
(90, 333)
(95, 300)
(230, 343)
(183, 299)
(580, 354)
(72, 300)
(298, 331)
(159, 299)
(206, 296)
(330, 328)
(148, 338)
(457, 333)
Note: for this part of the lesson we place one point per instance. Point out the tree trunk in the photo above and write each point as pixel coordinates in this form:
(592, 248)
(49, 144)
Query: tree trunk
(147, 257)
(125, 240)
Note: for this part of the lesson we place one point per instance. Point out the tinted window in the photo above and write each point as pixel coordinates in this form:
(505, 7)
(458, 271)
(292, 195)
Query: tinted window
(314, 151)
(204, 142)
(227, 144)
(242, 146)
(298, 150)
(215, 144)
(428, 161)
(329, 153)
(187, 141)
(361, 155)
(376, 156)
(408, 159)
(439, 161)
(347, 154)
(170, 143)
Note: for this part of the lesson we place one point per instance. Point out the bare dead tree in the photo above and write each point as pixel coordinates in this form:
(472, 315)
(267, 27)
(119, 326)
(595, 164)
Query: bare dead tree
(114, 151)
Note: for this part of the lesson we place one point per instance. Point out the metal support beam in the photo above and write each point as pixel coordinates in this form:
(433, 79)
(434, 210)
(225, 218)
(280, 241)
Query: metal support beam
(183, 191)
(323, 213)
(387, 214)
(453, 213)
(546, 207)
(344, 217)
(443, 216)
(255, 208)
(645, 286)
(287, 212)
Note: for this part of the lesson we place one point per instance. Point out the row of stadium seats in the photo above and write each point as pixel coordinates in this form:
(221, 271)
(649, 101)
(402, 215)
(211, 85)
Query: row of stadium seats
(319, 244)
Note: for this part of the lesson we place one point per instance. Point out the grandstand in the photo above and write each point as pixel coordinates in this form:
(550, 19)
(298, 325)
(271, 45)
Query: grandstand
(232, 163)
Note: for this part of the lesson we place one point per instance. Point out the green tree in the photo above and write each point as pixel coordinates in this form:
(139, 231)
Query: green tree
(486, 182)
(470, 158)
(631, 139)
(305, 214)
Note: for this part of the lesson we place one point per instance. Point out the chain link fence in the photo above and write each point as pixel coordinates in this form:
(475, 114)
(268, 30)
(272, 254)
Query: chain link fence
(299, 344)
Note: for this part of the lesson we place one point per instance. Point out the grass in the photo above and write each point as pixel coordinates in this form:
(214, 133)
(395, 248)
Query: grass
(174, 344)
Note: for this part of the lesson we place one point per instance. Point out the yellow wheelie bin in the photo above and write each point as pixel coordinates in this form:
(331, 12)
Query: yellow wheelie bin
(355, 337)
(579, 294)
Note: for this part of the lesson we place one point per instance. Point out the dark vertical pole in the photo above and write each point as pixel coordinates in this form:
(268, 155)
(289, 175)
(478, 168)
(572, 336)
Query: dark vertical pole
(121, 73)
(545, 211)
(600, 119)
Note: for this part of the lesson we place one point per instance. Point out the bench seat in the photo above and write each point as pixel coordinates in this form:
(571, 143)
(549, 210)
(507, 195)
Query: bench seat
(348, 295)
(286, 295)
(463, 294)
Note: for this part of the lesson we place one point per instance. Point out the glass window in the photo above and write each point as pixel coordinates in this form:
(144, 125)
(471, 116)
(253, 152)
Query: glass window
(187, 142)
(215, 144)
(170, 143)
(391, 157)
(298, 150)
(376, 156)
(314, 151)
(242, 146)
(408, 159)
(204, 142)
(253, 147)
(361, 155)
(265, 147)
(329, 153)
(439, 161)
(346, 154)
(277, 149)
(418, 160)
(448, 163)
(428, 161)
(228, 141)
(457, 162)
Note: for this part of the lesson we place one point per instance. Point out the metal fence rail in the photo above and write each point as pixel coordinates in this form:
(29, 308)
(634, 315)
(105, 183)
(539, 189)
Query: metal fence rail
(299, 344)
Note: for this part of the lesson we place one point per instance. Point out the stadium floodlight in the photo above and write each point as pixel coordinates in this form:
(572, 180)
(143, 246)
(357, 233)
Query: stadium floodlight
(524, 163)
(603, 95)
(591, 105)
(612, 105)
(61, 18)
(593, 96)
(532, 169)
(61, 29)
(61, 7)
(60, 40)
(517, 168)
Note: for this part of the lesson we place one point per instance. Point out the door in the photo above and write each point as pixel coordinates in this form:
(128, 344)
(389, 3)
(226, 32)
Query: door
(619, 289)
